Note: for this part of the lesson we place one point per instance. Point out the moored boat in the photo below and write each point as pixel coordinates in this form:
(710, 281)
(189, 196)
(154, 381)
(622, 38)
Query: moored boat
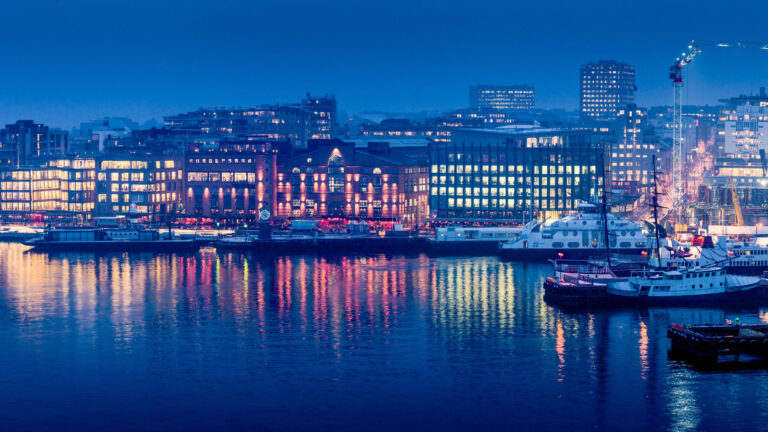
(102, 239)
(689, 286)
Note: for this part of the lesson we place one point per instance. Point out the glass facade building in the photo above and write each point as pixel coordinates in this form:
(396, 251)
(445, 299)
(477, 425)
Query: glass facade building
(514, 173)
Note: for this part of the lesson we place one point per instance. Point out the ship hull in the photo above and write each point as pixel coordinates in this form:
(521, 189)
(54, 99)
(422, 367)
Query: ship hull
(115, 245)
(542, 254)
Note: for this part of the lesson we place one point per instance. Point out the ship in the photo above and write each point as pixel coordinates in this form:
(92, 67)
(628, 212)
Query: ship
(684, 286)
(108, 239)
(578, 236)
(746, 258)
(471, 239)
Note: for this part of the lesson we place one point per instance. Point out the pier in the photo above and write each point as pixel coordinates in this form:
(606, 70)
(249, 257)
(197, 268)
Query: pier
(715, 344)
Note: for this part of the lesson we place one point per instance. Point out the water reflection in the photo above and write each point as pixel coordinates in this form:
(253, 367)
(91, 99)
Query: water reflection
(474, 335)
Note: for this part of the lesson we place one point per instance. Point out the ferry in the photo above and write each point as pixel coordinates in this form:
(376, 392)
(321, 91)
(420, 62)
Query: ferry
(579, 236)
(105, 239)
(698, 284)
(475, 239)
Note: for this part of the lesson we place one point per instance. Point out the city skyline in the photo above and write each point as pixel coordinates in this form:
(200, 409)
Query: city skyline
(154, 60)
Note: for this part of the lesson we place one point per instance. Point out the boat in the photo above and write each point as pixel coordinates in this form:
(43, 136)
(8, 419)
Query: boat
(578, 283)
(15, 233)
(694, 285)
(107, 239)
(475, 239)
(747, 258)
(578, 236)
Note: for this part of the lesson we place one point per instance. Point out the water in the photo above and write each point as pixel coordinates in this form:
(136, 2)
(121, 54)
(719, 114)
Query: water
(231, 340)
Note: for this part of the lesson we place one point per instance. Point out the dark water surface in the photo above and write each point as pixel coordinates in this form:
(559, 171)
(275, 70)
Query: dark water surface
(232, 340)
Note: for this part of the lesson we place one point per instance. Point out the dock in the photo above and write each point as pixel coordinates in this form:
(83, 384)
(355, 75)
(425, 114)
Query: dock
(715, 344)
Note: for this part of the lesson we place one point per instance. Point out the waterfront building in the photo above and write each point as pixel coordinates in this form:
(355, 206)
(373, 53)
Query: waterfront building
(25, 140)
(606, 87)
(139, 185)
(514, 172)
(233, 180)
(372, 181)
(500, 97)
(77, 185)
(59, 189)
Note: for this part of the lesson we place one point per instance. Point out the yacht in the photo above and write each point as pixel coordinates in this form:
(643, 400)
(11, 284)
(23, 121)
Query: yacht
(14, 233)
(692, 285)
(749, 258)
(578, 236)
(463, 239)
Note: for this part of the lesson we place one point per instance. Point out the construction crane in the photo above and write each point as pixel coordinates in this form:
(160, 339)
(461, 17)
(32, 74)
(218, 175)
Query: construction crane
(676, 75)
(736, 205)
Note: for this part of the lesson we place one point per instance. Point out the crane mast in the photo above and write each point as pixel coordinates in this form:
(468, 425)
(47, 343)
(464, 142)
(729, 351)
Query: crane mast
(676, 75)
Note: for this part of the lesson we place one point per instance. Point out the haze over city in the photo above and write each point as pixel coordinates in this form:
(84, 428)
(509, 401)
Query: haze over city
(146, 59)
(383, 216)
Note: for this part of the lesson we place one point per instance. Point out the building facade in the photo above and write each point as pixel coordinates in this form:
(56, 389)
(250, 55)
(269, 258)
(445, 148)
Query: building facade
(606, 87)
(514, 173)
(26, 140)
(742, 126)
(495, 97)
(341, 179)
(139, 185)
(230, 183)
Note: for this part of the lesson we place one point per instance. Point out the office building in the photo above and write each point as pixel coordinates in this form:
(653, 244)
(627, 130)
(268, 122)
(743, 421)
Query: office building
(139, 185)
(514, 173)
(496, 97)
(606, 87)
(742, 126)
(232, 180)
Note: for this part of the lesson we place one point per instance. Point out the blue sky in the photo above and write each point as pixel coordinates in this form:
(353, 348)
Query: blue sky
(65, 61)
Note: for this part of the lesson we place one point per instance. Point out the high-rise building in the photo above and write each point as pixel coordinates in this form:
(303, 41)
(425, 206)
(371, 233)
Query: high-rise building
(606, 87)
(496, 97)
(514, 172)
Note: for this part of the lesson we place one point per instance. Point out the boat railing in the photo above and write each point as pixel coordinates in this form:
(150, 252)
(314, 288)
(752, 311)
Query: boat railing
(581, 267)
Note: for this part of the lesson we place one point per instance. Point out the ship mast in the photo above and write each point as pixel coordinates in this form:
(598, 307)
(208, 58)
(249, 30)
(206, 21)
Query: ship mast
(604, 212)
(655, 205)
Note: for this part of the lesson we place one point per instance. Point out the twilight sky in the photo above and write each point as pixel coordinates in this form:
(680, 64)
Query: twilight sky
(66, 61)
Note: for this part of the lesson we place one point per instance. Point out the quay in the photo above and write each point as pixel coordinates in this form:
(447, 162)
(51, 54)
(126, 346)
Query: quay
(715, 344)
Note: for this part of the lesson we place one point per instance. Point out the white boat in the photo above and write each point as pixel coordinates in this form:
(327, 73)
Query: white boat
(698, 284)
(578, 236)
(749, 258)
(463, 239)
(13, 233)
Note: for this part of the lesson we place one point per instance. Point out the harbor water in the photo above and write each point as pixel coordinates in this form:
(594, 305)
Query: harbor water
(214, 340)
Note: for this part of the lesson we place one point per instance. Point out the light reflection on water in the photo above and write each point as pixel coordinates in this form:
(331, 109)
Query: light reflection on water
(373, 342)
